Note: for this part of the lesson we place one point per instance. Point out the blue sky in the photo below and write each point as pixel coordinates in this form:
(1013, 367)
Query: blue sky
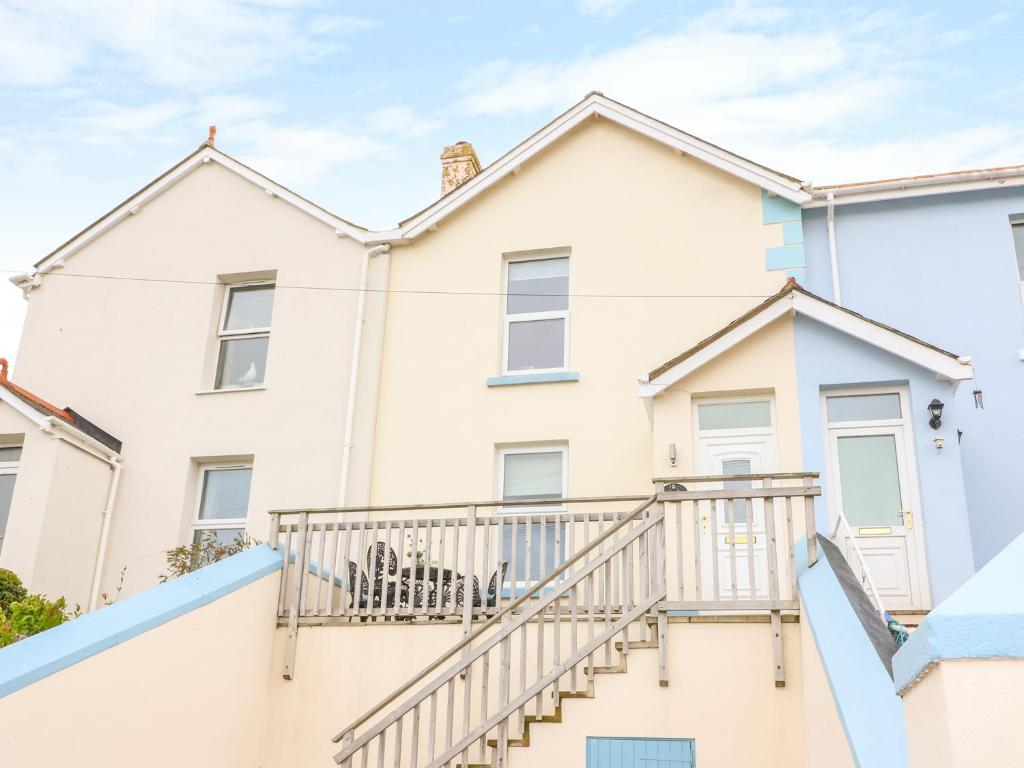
(350, 103)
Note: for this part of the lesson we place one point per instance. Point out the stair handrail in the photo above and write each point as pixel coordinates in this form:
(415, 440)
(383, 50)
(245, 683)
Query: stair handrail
(468, 640)
(865, 571)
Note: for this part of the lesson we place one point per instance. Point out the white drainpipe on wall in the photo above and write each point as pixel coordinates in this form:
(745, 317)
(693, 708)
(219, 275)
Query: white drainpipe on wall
(108, 514)
(832, 251)
(357, 343)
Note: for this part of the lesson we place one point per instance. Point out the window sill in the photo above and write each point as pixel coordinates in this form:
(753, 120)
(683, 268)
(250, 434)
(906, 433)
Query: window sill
(230, 389)
(532, 378)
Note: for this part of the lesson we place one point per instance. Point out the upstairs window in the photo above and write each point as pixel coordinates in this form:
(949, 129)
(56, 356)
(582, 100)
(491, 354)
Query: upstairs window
(244, 336)
(223, 504)
(536, 315)
(10, 455)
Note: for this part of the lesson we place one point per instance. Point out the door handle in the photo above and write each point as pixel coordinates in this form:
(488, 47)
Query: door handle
(704, 523)
(908, 519)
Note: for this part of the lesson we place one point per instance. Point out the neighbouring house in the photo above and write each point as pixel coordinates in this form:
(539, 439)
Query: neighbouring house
(579, 410)
(942, 256)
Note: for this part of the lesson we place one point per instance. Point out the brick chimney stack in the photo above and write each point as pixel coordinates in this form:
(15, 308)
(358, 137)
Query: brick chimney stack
(459, 164)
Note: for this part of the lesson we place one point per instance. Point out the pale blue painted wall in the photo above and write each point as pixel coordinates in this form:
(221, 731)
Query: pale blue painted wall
(943, 268)
(826, 358)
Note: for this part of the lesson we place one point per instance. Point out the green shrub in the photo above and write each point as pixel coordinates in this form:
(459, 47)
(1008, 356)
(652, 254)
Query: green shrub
(11, 590)
(32, 615)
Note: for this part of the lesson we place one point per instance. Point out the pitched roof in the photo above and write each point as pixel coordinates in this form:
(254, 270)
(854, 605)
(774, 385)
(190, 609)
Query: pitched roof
(594, 105)
(794, 298)
(917, 186)
(205, 154)
(40, 411)
(597, 105)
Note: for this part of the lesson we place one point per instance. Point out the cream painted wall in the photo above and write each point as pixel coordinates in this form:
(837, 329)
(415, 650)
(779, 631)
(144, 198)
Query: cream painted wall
(763, 363)
(189, 692)
(56, 513)
(638, 219)
(825, 741)
(133, 356)
(721, 692)
(965, 713)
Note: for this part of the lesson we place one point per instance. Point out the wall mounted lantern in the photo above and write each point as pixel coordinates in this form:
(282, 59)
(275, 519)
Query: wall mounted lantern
(935, 411)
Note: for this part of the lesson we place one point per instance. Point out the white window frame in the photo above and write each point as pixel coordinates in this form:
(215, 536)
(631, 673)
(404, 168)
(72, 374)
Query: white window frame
(9, 468)
(522, 317)
(526, 509)
(1015, 222)
(241, 333)
(223, 523)
(728, 400)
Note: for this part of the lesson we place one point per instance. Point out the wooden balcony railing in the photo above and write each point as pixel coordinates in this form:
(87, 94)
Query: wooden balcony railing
(727, 544)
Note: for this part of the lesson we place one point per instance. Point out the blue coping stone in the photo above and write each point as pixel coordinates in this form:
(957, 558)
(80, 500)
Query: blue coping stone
(777, 210)
(36, 657)
(532, 378)
(784, 257)
(983, 619)
(868, 707)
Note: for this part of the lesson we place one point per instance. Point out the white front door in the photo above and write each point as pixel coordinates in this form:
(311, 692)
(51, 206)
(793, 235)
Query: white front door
(873, 484)
(734, 437)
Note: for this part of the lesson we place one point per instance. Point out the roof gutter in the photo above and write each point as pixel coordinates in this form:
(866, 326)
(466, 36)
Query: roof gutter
(912, 185)
(353, 385)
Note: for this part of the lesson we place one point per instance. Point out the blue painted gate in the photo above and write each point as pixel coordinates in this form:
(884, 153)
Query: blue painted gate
(608, 752)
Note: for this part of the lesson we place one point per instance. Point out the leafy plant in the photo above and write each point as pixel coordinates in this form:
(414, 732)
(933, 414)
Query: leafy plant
(32, 615)
(11, 590)
(209, 549)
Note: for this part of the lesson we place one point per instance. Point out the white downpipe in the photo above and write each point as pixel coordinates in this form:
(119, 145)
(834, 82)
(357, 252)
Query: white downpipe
(841, 520)
(833, 254)
(357, 343)
(108, 514)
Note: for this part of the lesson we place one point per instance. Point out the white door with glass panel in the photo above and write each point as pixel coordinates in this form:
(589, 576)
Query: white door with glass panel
(734, 437)
(872, 482)
(524, 474)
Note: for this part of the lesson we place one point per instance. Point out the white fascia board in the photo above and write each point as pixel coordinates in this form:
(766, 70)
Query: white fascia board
(717, 347)
(208, 154)
(22, 407)
(573, 118)
(909, 188)
(708, 153)
(915, 352)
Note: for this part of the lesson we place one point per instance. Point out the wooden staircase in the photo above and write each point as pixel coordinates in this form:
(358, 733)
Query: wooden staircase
(472, 704)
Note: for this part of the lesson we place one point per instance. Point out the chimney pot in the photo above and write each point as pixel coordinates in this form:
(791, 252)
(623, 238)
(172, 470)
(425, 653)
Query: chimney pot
(459, 164)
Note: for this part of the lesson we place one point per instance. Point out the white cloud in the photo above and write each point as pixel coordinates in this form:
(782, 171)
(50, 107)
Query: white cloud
(111, 118)
(405, 122)
(183, 43)
(807, 94)
(298, 155)
(603, 7)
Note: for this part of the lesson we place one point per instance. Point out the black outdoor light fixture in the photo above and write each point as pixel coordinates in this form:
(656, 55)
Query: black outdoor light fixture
(935, 411)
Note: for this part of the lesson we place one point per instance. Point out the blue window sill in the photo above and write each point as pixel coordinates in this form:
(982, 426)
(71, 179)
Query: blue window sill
(532, 378)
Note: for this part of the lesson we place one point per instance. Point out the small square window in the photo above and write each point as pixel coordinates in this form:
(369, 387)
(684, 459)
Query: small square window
(537, 315)
(244, 336)
(223, 504)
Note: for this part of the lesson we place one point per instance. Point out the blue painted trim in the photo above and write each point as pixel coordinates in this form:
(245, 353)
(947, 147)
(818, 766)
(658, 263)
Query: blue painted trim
(777, 210)
(868, 707)
(983, 619)
(793, 233)
(36, 657)
(532, 378)
(784, 257)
